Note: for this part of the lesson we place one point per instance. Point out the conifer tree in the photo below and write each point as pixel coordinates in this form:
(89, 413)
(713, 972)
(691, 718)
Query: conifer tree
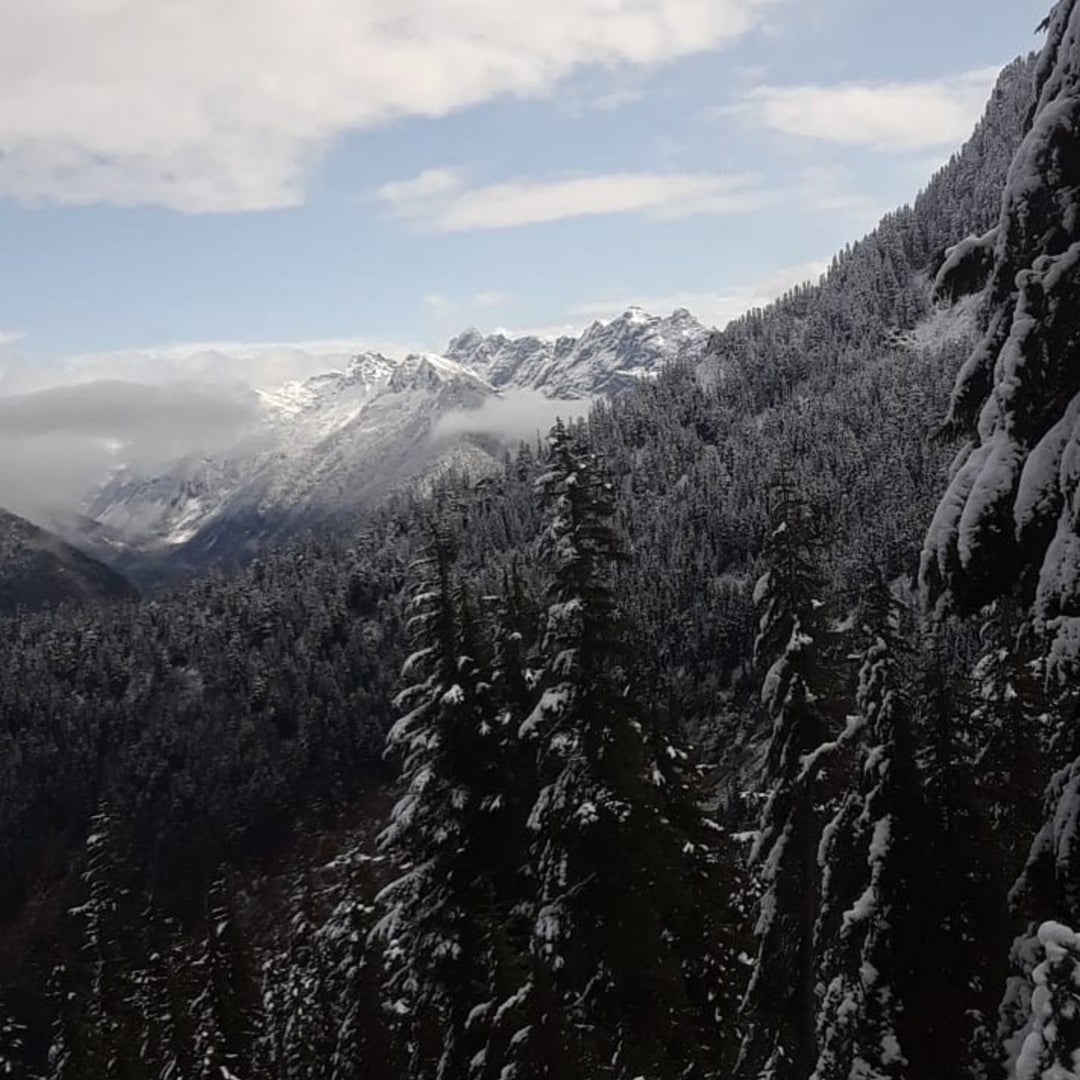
(778, 1012)
(70, 1056)
(873, 983)
(447, 832)
(97, 1034)
(297, 995)
(510, 790)
(167, 1045)
(1051, 1047)
(1047, 887)
(951, 1004)
(630, 973)
(1011, 722)
(225, 1011)
(364, 1048)
(1007, 526)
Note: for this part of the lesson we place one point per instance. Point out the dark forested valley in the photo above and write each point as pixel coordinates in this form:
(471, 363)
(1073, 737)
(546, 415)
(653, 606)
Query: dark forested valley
(729, 732)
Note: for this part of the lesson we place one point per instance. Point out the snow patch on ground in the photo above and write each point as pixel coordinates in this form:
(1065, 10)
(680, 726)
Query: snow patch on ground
(953, 324)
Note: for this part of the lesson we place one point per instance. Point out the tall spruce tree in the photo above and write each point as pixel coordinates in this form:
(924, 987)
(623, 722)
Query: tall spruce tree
(632, 946)
(167, 1048)
(364, 1048)
(1010, 725)
(873, 980)
(951, 1003)
(448, 833)
(779, 1010)
(297, 995)
(98, 1022)
(226, 1011)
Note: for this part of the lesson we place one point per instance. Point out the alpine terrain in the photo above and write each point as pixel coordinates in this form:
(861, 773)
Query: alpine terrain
(658, 703)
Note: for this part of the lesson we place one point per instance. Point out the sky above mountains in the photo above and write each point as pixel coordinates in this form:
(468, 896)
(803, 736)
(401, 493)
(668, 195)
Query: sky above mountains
(326, 172)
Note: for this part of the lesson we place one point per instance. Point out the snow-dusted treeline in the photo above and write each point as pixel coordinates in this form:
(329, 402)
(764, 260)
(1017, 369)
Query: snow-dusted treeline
(689, 773)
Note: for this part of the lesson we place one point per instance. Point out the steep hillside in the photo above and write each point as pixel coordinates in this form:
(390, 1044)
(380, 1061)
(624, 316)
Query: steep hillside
(321, 451)
(39, 570)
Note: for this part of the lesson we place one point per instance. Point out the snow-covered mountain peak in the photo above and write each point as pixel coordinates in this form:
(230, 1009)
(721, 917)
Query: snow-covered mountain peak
(365, 373)
(368, 368)
(430, 371)
(469, 341)
(602, 360)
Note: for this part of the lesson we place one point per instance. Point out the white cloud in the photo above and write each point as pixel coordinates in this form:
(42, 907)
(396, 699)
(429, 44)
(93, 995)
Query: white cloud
(206, 106)
(451, 206)
(491, 298)
(252, 365)
(56, 443)
(427, 185)
(10, 337)
(712, 308)
(897, 116)
(513, 415)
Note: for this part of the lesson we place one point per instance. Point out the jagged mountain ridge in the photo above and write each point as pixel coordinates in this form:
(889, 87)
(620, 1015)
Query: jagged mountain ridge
(606, 359)
(39, 570)
(326, 446)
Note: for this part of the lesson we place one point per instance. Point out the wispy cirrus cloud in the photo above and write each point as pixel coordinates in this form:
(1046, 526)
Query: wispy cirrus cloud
(441, 200)
(217, 107)
(889, 116)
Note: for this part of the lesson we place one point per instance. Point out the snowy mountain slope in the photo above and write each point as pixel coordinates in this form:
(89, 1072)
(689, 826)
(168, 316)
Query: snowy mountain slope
(38, 569)
(324, 447)
(169, 508)
(319, 451)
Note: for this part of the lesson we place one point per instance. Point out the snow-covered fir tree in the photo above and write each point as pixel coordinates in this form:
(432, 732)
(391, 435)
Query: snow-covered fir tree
(1051, 1048)
(163, 998)
(792, 650)
(954, 1003)
(1010, 724)
(95, 993)
(867, 1027)
(632, 970)
(1007, 526)
(448, 833)
(363, 1046)
(297, 997)
(225, 1008)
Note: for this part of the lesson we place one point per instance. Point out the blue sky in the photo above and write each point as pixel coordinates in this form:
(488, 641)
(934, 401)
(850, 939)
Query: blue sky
(373, 171)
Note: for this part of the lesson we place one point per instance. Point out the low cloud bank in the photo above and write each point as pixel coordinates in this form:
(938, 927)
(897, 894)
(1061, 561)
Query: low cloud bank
(56, 444)
(514, 415)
